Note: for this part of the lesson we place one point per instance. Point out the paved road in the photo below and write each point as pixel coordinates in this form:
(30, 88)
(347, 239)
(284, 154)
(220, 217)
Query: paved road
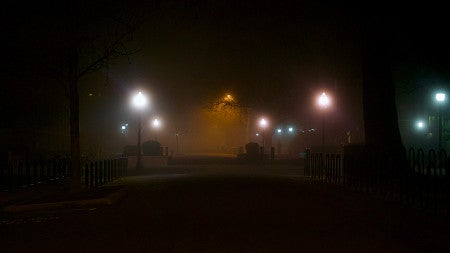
(228, 209)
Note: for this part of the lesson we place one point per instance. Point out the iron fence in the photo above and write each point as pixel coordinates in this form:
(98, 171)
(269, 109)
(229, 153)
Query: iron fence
(422, 181)
(101, 172)
(26, 174)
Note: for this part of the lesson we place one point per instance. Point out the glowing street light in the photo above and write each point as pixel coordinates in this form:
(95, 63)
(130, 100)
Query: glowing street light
(420, 125)
(124, 129)
(440, 99)
(139, 101)
(263, 123)
(228, 98)
(156, 124)
(324, 102)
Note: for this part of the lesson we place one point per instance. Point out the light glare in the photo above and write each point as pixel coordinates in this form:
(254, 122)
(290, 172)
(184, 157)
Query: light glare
(229, 98)
(324, 100)
(263, 123)
(139, 100)
(440, 97)
(420, 124)
(156, 123)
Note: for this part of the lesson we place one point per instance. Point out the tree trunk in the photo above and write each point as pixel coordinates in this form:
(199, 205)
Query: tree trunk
(74, 107)
(380, 113)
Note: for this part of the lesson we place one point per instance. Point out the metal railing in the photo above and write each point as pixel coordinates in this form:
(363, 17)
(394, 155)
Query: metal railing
(422, 181)
(26, 174)
(98, 173)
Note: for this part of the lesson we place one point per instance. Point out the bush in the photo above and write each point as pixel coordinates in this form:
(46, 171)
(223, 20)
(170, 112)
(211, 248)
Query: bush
(130, 150)
(151, 148)
(252, 149)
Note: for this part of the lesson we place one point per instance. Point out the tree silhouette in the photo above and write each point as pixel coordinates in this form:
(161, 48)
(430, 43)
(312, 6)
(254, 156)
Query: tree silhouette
(89, 50)
(379, 106)
(66, 42)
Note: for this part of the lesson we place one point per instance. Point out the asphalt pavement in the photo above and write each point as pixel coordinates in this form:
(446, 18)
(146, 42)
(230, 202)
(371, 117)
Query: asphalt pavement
(225, 208)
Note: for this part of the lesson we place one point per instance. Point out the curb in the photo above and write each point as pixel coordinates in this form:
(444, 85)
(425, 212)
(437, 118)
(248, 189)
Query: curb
(108, 200)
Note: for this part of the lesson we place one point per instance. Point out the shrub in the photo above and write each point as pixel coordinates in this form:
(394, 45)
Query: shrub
(252, 149)
(130, 150)
(151, 148)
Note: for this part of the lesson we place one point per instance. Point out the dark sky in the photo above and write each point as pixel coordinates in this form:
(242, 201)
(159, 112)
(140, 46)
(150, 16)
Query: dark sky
(273, 55)
(270, 55)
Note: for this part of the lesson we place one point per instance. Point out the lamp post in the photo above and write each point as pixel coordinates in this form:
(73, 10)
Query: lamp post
(139, 102)
(263, 124)
(440, 99)
(323, 102)
(124, 129)
(420, 125)
(156, 123)
(278, 132)
(176, 137)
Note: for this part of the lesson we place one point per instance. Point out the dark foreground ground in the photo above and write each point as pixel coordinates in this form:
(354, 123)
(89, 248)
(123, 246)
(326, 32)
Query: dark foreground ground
(234, 208)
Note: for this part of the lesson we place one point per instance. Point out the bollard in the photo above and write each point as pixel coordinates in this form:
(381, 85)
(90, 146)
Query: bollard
(2, 176)
(91, 175)
(41, 172)
(96, 168)
(9, 177)
(86, 176)
(447, 176)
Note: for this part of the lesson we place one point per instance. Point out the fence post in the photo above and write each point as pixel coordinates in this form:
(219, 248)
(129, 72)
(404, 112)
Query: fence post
(86, 175)
(27, 174)
(306, 163)
(49, 170)
(41, 171)
(9, 177)
(326, 169)
(116, 161)
(109, 170)
(339, 168)
(447, 176)
(125, 167)
(101, 176)
(67, 167)
(409, 175)
(96, 164)
(91, 175)
(2, 176)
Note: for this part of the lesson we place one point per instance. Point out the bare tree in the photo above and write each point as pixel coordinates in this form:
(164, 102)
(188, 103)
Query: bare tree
(230, 106)
(379, 104)
(88, 39)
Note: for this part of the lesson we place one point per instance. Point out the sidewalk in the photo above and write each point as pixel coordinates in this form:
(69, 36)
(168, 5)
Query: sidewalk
(233, 209)
(56, 195)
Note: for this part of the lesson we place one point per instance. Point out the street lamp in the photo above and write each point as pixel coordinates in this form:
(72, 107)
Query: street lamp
(420, 125)
(290, 130)
(124, 129)
(324, 102)
(263, 124)
(282, 133)
(139, 102)
(228, 98)
(156, 123)
(440, 99)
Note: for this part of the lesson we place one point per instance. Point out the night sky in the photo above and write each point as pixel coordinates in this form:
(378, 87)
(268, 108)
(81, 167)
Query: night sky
(274, 56)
